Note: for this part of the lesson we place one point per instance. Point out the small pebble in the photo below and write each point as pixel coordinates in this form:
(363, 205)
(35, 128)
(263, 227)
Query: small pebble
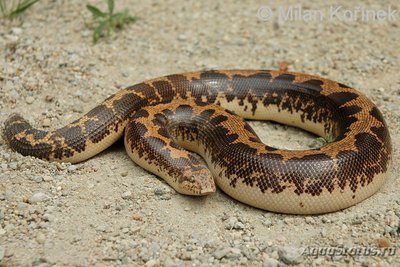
(102, 228)
(234, 254)
(288, 220)
(9, 195)
(291, 255)
(391, 219)
(48, 217)
(16, 30)
(182, 37)
(72, 168)
(357, 221)
(2, 253)
(221, 252)
(152, 263)
(230, 223)
(61, 165)
(29, 100)
(46, 123)
(14, 95)
(165, 197)
(319, 261)
(136, 217)
(37, 179)
(309, 220)
(323, 232)
(13, 166)
(124, 174)
(78, 108)
(49, 98)
(169, 262)
(267, 223)
(270, 262)
(325, 220)
(37, 197)
(383, 242)
(9, 227)
(239, 226)
(47, 178)
(4, 166)
(40, 238)
(127, 195)
(158, 191)
(234, 223)
(22, 206)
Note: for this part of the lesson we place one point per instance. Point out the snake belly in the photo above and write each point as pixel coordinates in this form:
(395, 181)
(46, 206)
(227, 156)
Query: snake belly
(190, 130)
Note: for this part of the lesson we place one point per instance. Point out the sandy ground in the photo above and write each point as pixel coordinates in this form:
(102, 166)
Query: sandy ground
(107, 211)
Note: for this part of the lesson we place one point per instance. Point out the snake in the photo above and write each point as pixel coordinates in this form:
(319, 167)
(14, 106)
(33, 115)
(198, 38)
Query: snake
(191, 130)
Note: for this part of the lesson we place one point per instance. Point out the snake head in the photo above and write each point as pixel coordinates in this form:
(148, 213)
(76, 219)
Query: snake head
(196, 181)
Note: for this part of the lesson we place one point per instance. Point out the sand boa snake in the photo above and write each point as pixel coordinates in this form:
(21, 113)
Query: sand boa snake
(167, 119)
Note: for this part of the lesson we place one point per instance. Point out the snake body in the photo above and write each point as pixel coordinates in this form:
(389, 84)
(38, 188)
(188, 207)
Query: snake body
(169, 121)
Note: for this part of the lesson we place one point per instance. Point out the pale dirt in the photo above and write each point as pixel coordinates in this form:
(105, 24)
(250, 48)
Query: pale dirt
(108, 211)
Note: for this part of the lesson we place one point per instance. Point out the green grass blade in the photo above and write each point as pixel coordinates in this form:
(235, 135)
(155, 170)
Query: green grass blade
(21, 7)
(108, 22)
(119, 19)
(95, 11)
(99, 30)
(129, 18)
(110, 4)
(2, 7)
(115, 20)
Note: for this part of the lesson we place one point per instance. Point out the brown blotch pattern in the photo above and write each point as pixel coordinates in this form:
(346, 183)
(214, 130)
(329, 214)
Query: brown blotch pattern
(360, 151)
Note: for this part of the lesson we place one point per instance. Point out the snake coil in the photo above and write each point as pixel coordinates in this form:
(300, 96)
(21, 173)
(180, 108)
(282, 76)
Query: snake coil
(169, 121)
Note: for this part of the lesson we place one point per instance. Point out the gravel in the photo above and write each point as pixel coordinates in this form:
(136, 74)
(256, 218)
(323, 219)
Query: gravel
(127, 195)
(29, 100)
(109, 211)
(163, 193)
(13, 166)
(291, 255)
(234, 223)
(46, 123)
(159, 191)
(38, 179)
(2, 252)
(47, 178)
(269, 262)
(72, 168)
(37, 197)
(221, 252)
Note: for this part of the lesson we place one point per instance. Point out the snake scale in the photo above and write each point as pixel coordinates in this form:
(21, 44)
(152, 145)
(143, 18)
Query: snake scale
(190, 130)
